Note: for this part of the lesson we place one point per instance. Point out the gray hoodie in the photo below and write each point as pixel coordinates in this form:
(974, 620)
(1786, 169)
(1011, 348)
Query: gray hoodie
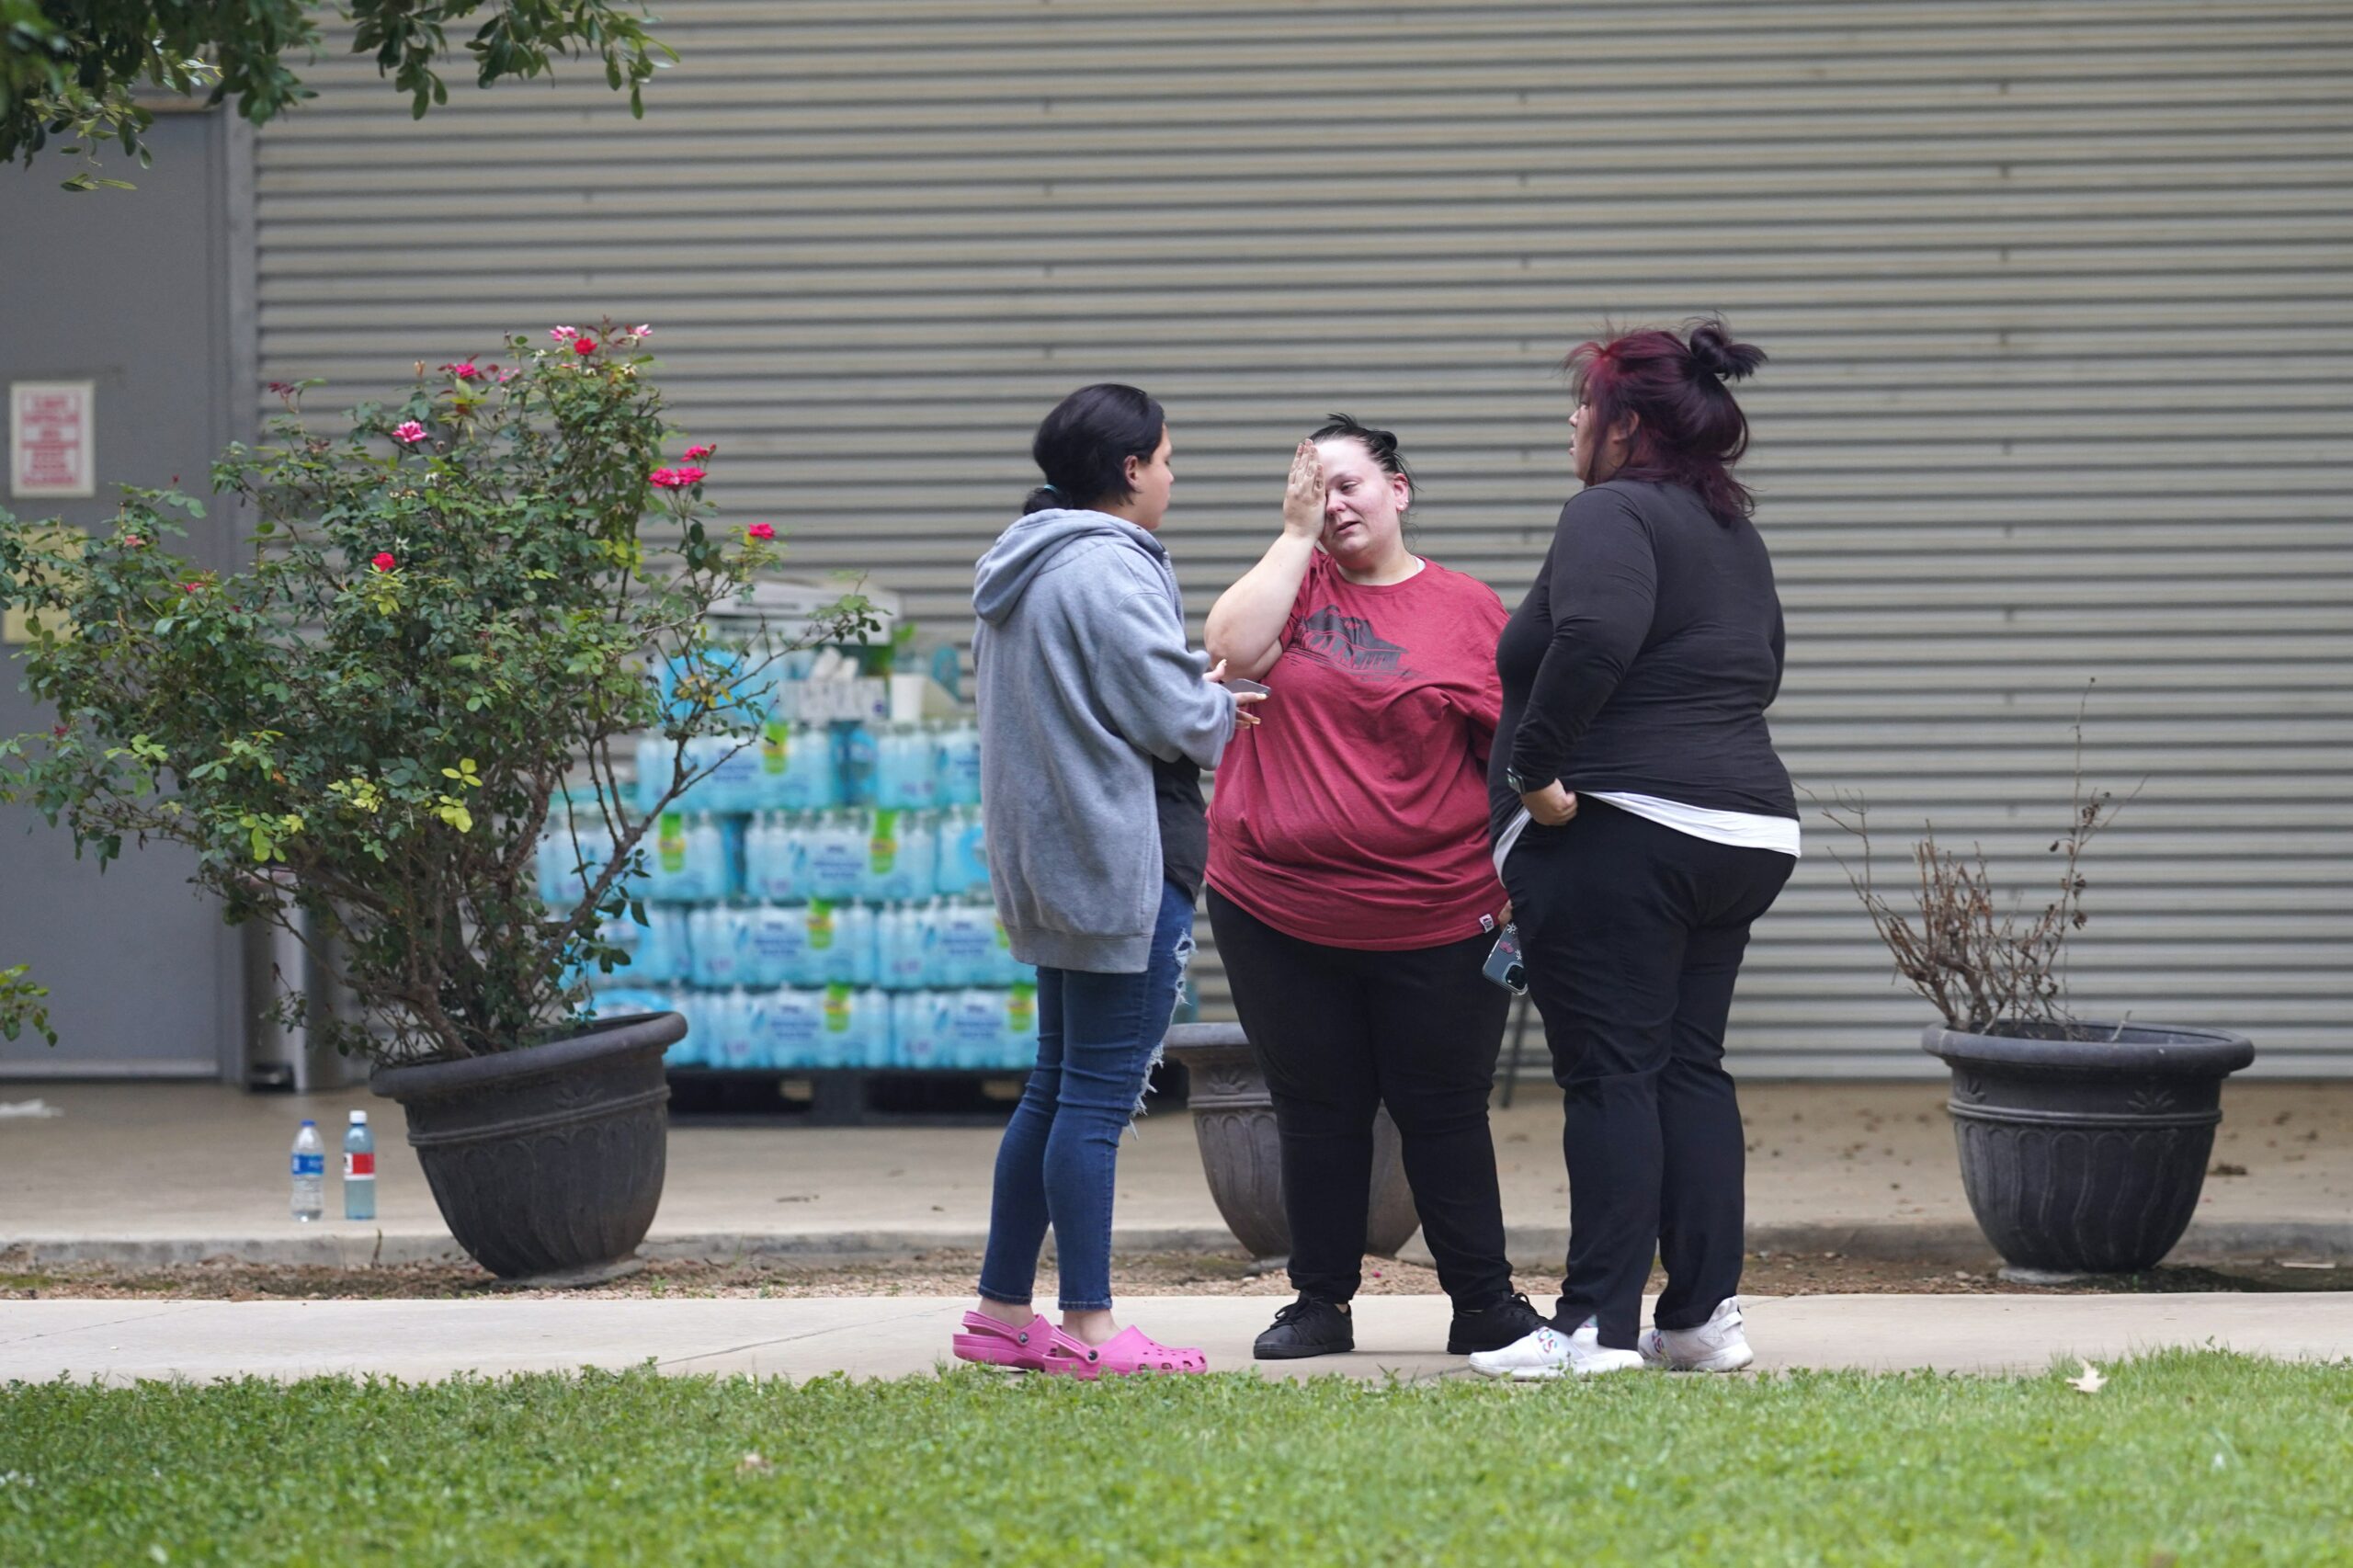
(1084, 677)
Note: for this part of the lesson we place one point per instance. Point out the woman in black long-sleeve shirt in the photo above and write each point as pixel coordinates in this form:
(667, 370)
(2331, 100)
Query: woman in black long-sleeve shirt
(1642, 823)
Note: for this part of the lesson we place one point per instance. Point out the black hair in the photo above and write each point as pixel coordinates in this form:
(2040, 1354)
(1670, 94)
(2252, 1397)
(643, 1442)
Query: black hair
(1083, 446)
(1381, 444)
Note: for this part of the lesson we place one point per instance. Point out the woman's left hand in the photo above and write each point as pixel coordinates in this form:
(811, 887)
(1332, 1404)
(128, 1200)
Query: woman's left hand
(1242, 700)
(1551, 805)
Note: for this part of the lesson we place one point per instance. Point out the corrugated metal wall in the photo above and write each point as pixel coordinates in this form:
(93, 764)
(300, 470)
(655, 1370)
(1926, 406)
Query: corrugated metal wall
(2057, 297)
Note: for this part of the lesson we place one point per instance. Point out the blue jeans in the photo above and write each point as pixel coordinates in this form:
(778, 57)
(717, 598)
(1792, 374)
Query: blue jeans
(1098, 1038)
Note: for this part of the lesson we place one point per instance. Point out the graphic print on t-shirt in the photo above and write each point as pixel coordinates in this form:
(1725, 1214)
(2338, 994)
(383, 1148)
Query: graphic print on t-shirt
(1349, 642)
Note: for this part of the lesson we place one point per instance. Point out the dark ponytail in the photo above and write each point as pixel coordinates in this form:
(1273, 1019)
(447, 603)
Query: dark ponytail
(1083, 446)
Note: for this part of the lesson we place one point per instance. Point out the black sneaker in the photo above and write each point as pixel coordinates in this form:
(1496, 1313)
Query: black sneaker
(1503, 1321)
(1307, 1327)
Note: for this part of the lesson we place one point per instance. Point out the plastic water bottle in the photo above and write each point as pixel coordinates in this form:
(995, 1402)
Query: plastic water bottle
(721, 938)
(741, 1034)
(780, 946)
(914, 1031)
(800, 764)
(821, 962)
(962, 855)
(794, 1017)
(905, 777)
(1021, 1026)
(839, 847)
(899, 949)
(310, 1168)
(975, 1028)
(902, 855)
(656, 763)
(663, 952)
(776, 858)
(854, 946)
(774, 754)
(967, 945)
(358, 1169)
(735, 787)
(854, 759)
(959, 750)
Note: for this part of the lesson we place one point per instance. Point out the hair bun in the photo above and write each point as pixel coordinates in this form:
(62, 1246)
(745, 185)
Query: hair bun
(1713, 346)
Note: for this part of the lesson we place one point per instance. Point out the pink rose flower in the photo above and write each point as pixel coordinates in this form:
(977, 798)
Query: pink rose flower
(562, 334)
(463, 369)
(410, 433)
(694, 452)
(384, 560)
(675, 478)
(761, 531)
(641, 332)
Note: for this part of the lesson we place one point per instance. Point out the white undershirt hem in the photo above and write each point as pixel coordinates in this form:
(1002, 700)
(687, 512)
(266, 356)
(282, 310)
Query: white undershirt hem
(1742, 830)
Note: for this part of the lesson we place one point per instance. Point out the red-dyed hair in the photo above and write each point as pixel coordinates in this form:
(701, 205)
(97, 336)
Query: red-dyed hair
(1688, 427)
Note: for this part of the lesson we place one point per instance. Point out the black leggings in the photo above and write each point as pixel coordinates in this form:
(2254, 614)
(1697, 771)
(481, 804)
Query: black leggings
(1344, 1031)
(1633, 933)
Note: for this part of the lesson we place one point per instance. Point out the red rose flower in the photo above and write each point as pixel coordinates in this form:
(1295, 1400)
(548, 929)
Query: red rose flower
(384, 560)
(584, 346)
(694, 452)
(761, 530)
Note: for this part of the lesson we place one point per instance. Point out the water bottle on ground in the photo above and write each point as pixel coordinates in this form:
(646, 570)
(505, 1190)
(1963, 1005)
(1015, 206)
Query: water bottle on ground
(358, 1169)
(310, 1167)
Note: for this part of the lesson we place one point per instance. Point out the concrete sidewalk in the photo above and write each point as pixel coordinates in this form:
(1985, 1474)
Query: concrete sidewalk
(121, 1342)
(170, 1173)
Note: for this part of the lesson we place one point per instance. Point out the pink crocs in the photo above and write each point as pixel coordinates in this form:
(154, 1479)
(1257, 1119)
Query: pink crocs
(1130, 1350)
(992, 1343)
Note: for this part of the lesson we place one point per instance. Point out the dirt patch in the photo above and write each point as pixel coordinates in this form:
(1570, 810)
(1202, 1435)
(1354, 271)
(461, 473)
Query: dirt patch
(951, 1274)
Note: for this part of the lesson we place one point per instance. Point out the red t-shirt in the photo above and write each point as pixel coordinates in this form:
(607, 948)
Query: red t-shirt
(1356, 814)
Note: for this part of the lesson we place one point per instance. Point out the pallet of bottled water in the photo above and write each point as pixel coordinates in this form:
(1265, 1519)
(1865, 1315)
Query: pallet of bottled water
(818, 899)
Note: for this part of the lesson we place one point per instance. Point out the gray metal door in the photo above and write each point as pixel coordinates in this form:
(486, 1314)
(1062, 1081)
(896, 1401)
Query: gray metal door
(2055, 294)
(128, 290)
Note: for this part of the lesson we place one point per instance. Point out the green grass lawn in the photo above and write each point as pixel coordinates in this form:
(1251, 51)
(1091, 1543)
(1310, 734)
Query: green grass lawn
(2202, 1458)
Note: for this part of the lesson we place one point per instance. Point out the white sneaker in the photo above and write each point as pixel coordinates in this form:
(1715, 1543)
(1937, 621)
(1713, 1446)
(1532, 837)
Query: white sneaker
(1548, 1353)
(1716, 1346)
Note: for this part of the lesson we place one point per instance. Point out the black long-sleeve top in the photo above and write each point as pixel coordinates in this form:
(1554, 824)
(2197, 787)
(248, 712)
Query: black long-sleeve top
(1644, 658)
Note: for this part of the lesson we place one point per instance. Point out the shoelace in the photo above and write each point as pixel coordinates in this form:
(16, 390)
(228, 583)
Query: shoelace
(1296, 1310)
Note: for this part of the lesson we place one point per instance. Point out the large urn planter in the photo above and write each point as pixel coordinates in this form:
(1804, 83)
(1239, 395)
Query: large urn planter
(547, 1162)
(2084, 1147)
(1233, 1121)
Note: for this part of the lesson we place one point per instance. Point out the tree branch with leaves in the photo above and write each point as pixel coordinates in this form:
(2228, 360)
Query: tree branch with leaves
(450, 610)
(74, 74)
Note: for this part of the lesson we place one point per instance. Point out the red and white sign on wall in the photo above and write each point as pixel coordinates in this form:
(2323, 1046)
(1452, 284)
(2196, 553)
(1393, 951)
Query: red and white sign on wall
(50, 439)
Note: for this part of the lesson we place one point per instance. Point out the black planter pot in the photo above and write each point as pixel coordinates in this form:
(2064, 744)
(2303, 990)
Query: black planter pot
(2083, 1153)
(1233, 1121)
(547, 1162)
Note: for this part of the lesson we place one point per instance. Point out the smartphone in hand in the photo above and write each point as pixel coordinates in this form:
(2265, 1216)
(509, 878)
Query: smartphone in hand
(1246, 688)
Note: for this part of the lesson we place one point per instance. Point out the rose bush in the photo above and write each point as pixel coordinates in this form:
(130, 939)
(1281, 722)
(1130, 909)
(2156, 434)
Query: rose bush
(451, 608)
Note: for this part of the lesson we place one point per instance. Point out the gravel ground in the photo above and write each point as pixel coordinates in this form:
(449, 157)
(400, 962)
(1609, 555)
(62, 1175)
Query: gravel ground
(951, 1274)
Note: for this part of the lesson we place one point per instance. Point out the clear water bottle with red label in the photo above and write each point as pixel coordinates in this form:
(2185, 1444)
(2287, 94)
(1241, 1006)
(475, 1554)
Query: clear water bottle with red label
(310, 1167)
(358, 1169)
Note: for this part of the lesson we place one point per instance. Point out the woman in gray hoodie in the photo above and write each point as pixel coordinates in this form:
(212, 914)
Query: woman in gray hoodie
(1095, 721)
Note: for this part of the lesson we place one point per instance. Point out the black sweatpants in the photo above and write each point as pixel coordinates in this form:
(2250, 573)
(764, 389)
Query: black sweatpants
(1342, 1031)
(1633, 933)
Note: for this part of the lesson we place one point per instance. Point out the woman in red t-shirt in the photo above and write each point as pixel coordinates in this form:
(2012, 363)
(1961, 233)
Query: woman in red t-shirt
(1350, 889)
